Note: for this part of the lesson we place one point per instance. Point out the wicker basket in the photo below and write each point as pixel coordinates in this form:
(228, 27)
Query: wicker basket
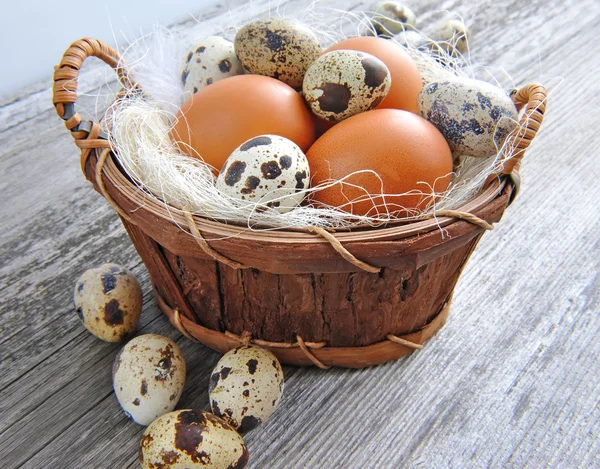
(352, 298)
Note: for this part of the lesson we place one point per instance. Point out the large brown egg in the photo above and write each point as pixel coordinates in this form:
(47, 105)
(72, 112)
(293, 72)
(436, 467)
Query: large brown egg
(406, 78)
(399, 153)
(220, 117)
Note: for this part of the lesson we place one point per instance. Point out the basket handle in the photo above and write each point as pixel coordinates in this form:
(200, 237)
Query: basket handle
(533, 98)
(64, 90)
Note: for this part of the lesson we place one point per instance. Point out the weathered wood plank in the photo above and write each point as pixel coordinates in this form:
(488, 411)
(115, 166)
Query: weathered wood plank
(511, 381)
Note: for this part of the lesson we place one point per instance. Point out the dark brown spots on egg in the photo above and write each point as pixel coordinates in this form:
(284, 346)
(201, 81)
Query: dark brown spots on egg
(246, 393)
(80, 287)
(274, 204)
(188, 435)
(249, 422)
(145, 441)
(213, 381)
(335, 98)
(172, 397)
(255, 142)
(136, 402)
(189, 57)
(375, 73)
(184, 76)
(484, 101)
(164, 368)
(215, 408)
(432, 88)
(270, 169)
(274, 363)
(241, 463)
(144, 388)
(273, 41)
(225, 65)
(472, 126)
(170, 457)
(234, 172)
(251, 184)
(285, 161)
(209, 81)
(113, 315)
(109, 282)
(195, 89)
(300, 177)
(252, 366)
(79, 312)
(377, 101)
(225, 372)
(200, 49)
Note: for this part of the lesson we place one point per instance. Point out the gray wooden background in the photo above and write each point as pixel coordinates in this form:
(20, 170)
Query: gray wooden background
(512, 381)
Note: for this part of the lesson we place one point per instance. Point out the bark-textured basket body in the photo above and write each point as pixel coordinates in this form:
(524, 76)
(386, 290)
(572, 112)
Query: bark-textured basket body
(304, 295)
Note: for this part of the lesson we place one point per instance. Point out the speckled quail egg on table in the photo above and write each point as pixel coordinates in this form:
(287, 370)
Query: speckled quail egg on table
(246, 386)
(108, 301)
(190, 438)
(269, 170)
(148, 377)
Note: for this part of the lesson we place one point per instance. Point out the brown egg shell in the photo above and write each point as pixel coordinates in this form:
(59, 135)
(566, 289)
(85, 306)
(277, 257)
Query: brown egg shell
(108, 301)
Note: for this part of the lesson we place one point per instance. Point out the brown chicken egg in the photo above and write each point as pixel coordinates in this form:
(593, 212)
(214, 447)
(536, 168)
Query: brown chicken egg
(406, 79)
(220, 117)
(399, 157)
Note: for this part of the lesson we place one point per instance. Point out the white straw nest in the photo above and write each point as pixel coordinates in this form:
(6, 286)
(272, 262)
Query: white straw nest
(139, 126)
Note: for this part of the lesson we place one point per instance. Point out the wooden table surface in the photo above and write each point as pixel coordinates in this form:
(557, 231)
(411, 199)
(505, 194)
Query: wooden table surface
(511, 381)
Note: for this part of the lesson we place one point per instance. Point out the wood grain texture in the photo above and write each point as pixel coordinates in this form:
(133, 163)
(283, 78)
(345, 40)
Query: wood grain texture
(511, 381)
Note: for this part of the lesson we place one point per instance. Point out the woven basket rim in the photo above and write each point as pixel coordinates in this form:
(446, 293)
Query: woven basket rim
(218, 229)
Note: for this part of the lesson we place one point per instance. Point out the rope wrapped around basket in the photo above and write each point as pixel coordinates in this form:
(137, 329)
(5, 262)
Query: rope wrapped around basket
(90, 139)
(405, 344)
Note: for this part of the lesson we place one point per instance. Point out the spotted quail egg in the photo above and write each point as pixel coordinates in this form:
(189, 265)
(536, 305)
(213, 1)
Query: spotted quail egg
(189, 438)
(210, 60)
(268, 170)
(342, 83)
(475, 117)
(451, 34)
(108, 301)
(148, 377)
(389, 18)
(279, 48)
(246, 386)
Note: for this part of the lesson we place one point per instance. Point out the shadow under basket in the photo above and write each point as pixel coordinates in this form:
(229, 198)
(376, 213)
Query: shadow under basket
(350, 299)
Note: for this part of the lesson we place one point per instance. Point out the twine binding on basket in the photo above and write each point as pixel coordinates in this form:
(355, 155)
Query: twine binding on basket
(246, 337)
